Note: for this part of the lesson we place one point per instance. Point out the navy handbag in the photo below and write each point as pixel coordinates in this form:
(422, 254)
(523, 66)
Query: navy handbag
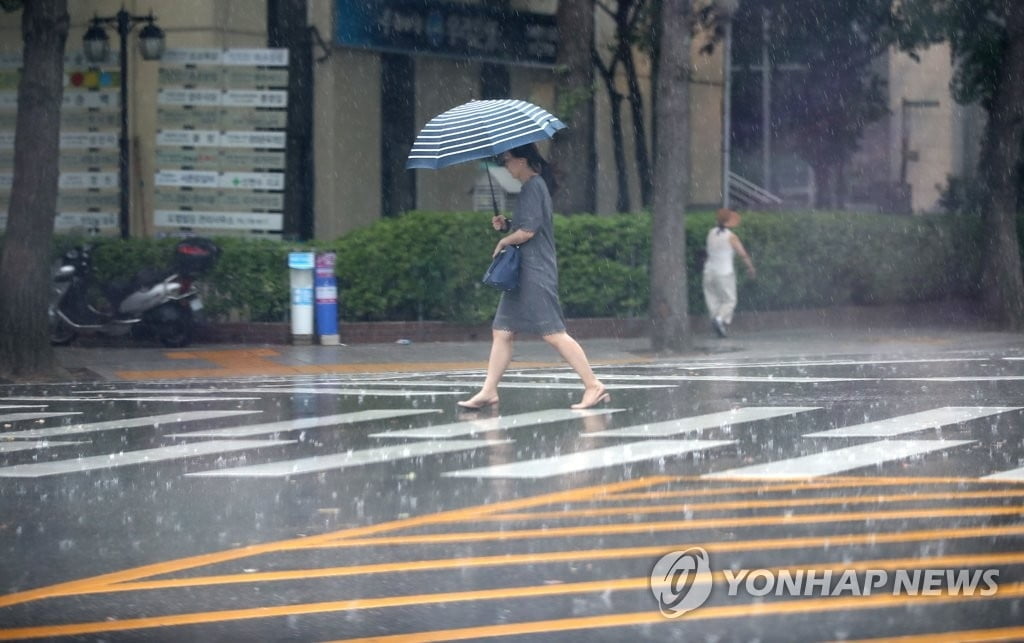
(504, 271)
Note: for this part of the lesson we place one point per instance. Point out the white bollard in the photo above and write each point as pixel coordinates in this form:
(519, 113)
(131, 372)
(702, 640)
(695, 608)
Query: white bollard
(301, 268)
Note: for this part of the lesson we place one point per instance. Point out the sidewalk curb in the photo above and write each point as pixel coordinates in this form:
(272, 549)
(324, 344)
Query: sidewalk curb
(945, 313)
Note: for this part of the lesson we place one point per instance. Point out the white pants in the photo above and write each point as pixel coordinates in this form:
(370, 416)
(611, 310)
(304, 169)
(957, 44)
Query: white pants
(720, 295)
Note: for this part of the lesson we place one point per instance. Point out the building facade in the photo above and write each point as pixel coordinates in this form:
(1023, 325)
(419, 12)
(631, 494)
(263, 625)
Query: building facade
(211, 140)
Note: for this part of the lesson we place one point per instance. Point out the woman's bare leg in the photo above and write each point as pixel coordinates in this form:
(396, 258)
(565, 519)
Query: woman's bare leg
(573, 353)
(497, 363)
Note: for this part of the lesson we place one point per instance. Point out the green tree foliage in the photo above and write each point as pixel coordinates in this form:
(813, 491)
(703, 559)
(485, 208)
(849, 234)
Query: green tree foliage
(830, 90)
(987, 42)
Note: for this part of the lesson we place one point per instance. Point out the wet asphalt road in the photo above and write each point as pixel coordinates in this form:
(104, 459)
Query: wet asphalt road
(351, 506)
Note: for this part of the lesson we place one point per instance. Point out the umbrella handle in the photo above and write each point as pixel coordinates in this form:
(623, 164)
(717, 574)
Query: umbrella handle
(494, 200)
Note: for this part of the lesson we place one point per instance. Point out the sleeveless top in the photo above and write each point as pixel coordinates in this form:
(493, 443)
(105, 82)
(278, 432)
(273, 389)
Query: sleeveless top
(720, 252)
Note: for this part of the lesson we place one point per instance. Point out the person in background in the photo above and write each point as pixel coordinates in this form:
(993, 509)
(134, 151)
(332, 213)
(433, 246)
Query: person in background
(719, 277)
(534, 306)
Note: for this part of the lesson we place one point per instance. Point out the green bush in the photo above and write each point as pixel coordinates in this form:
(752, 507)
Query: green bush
(427, 265)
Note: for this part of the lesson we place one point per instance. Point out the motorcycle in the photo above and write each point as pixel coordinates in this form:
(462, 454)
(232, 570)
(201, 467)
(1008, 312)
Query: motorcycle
(161, 303)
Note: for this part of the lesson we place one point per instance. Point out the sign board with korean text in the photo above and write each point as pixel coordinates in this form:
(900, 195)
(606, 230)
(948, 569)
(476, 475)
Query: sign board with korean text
(220, 140)
(481, 32)
(88, 186)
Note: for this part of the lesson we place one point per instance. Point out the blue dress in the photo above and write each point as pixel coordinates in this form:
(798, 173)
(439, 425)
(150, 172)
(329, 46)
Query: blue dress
(533, 307)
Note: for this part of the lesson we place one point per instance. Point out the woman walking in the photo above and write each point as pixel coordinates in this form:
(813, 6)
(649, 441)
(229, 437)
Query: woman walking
(719, 279)
(534, 306)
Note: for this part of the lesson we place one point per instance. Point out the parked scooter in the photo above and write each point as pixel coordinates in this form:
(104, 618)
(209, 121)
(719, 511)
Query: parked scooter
(161, 303)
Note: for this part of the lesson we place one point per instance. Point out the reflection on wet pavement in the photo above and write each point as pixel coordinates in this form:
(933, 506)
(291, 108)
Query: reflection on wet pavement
(348, 506)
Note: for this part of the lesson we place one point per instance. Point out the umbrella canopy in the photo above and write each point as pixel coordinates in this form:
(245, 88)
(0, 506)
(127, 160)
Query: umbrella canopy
(480, 129)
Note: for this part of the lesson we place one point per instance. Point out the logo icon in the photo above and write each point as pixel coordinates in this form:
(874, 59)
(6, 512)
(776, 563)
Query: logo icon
(681, 581)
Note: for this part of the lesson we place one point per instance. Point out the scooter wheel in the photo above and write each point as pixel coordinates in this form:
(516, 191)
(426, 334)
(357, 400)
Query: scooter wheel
(176, 333)
(61, 334)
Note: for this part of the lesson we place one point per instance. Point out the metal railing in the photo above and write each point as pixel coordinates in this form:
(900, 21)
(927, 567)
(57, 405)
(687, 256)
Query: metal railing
(744, 193)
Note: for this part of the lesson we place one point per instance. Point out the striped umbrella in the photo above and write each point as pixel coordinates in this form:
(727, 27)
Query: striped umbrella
(480, 129)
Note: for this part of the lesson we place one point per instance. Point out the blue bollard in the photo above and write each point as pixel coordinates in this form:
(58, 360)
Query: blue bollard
(326, 300)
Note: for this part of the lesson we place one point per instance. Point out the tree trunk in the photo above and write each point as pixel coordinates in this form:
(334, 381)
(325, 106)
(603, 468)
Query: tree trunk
(669, 315)
(1002, 283)
(636, 104)
(619, 151)
(25, 350)
(572, 150)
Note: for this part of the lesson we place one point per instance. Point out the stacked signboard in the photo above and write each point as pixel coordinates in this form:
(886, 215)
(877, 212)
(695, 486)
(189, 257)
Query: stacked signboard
(220, 142)
(88, 188)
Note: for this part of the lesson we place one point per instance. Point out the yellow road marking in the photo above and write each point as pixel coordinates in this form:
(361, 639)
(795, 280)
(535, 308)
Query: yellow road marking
(96, 583)
(807, 606)
(962, 636)
(804, 484)
(529, 591)
(754, 504)
(402, 567)
(669, 525)
(122, 580)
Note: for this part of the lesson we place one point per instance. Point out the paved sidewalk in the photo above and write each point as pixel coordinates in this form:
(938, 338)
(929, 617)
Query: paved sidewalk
(128, 361)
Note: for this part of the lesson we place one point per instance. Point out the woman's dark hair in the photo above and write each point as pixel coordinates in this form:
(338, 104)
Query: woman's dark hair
(537, 164)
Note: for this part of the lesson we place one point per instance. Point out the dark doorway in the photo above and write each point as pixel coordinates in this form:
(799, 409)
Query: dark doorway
(494, 81)
(398, 131)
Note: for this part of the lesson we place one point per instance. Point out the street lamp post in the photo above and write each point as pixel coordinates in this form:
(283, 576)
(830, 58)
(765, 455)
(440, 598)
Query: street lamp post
(97, 48)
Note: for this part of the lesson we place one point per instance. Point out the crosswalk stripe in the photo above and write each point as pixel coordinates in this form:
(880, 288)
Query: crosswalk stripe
(721, 419)
(1013, 475)
(573, 386)
(611, 377)
(39, 415)
(501, 423)
(306, 390)
(931, 419)
(337, 461)
(839, 460)
(804, 363)
(125, 423)
(968, 378)
(12, 447)
(591, 459)
(161, 398)
(299, 424)
(144, 456)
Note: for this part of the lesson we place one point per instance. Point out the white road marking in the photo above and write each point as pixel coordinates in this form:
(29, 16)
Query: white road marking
(298, 424)
(132, 399)
(1013, 475)
(710, 378)
(336, 461)
(12, 447)
(22, 406)
(501, 423)
(576, 386)
(839, 460)
(144, 456)
(700, 422)
(591, 459)
(154, 421)
(293, 390)
(798, 364)
(933, 419)
(38, 415)
(968, 378)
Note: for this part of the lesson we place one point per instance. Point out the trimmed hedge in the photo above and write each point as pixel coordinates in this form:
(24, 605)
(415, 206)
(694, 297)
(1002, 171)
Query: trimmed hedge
(427, 266)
